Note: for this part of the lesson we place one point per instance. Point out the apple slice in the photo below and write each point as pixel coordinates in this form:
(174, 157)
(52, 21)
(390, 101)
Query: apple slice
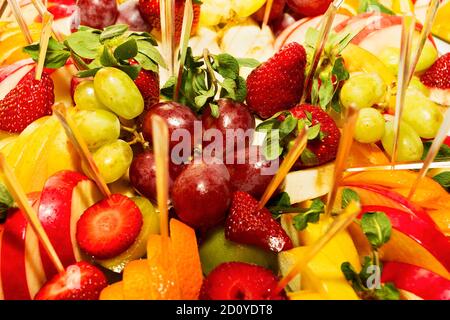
(11, 81)
(420, 282)
(6, 71)
(413, 241)
(65, 197)
(21, 268)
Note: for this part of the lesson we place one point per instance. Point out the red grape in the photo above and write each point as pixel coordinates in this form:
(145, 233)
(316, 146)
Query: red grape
(129, 14)
(309, 8)
(201, 194)
(178, 117)
(97, 14)
(249, 175)
(275, 13)
(143, 174)
(232, 116)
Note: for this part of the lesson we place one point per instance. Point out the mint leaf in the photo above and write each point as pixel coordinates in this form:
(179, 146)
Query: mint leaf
(107, 58)
(241, 89)
(271, 148)
(309, 158)
(131, 70)
(278, 204)
(248, 62)
(312, 215)
(126, 50)
(87, 73)
(348, 195)
(113, 31)
(287, 126)
(146, 63)
(388, 291)
(168, 88)
(377, 228)
(226, 65)
(442, 155)
(326, 92)
(146, 48)
(443, 179)
(214, 110)
(6, 201)
(339, 70)
(84, 43)
(228, 89)
(373, 5)
(56, 56)
(313, 132)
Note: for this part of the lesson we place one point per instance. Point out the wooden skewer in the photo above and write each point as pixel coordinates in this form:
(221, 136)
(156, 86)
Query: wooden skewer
(434, 149)
(161, 150)
(345, 145)
(325, 29)
(401, 166)
(188, 18)
(288, 162)
(47, 22)
(167, 17)
(80, 146)
(42, 9)
(269, 5)
(408, 28)
(20, 20)
(340, 223)
(3, 7)
(19, 196)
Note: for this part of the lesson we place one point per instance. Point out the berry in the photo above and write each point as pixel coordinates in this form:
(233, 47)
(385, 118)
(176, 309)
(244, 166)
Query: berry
(97, 14)
(240, 281)
(150, 11)
(80, 281)
(201, 194)
(248, 225)
(277, 84)
(109, 227)
(438, 76)
(324, 147)
(31, 99)
(148, 84)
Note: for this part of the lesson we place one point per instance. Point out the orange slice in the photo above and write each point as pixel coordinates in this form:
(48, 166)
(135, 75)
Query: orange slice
(366, 154)
(187, 259)
(137, 281)
(113, 292)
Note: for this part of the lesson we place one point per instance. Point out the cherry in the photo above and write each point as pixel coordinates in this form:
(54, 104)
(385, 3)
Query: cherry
(97, 14)
(143, 174)
(201, 194)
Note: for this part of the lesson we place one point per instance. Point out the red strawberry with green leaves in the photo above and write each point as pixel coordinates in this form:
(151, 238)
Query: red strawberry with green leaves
(437, 79)
(150, 11)
(109, 227)
(248, 225)
(28, 100)
(240, 281)
(277, 84)
(80, 281)
(148, 84)
(323, 135)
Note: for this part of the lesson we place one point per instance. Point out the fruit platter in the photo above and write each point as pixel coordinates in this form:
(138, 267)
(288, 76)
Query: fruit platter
(224, 150)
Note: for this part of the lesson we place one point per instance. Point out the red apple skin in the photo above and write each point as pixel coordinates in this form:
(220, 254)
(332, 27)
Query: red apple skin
(8, 70)
(275, 12)
(408, 205)
(309, 8)
(421, 282)
(12, 269)
(427, 235)
(55, 213)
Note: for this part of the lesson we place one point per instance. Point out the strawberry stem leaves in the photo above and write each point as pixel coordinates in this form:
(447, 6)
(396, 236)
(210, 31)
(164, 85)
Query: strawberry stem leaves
(6, 202)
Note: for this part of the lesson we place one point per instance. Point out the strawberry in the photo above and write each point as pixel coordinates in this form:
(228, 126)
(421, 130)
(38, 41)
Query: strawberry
(438, 75)
(109, 227)
(277, 84)
(80, 281)
(240, 281)
(148, 84)
(31, 99)
(150, 11)
(324, 146)
(248, 225)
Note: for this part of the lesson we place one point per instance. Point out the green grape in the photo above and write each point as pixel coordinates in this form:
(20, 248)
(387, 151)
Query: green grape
(422, 114)
(117, 91)
(417, 86)
(410, 147)
(369, 127)
(98, 127)
(390, 57)
(363, 90)
(85, 98)
(113, 160)
(428, 56)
